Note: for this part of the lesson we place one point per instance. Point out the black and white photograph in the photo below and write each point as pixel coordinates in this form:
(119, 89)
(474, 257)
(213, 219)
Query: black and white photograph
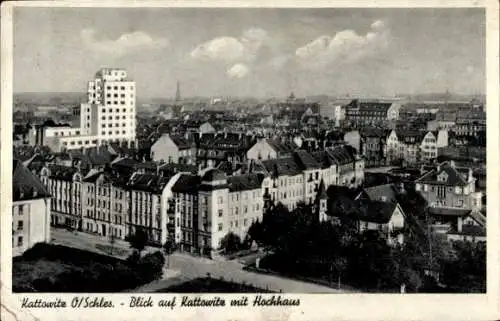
(249, 150)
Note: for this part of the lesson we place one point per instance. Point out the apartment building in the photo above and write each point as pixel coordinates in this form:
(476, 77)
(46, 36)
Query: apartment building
(30, 210)
(65, 185)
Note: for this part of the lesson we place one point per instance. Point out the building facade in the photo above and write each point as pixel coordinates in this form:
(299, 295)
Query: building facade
(30, 210)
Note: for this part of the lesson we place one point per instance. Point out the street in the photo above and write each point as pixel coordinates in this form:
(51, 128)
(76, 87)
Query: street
(181, 267)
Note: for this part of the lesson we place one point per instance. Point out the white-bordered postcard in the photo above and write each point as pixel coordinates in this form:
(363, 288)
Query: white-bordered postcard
(246, 160)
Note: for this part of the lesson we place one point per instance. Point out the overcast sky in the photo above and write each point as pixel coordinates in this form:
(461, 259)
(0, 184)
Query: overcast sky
(253, 52)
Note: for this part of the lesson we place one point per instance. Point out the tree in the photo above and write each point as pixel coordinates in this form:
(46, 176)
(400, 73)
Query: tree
(138, 240)
(255, 232)
(168, 247)
(230, 243)
(340, 264)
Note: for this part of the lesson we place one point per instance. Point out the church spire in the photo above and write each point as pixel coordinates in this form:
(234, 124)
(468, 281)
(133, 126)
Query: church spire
(178, 92)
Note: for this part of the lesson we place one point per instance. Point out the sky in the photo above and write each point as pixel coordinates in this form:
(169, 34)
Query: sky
(253, 52)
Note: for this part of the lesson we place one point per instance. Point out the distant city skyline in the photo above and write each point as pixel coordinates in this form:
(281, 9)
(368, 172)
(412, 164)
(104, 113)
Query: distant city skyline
(253, 52)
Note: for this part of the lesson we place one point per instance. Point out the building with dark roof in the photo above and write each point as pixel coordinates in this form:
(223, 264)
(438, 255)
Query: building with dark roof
(30, 210)
(451, 194)
(360, 113)
(173, 149)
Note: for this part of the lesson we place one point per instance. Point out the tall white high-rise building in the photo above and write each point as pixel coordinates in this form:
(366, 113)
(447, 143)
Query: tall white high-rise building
(107, 116)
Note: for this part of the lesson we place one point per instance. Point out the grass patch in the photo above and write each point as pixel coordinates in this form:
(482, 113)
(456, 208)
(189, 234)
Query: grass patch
(55, 268)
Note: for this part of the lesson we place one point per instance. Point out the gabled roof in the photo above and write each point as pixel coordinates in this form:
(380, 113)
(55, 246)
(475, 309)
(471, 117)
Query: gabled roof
(61, 172)
(376, 212)
(148, 182)
(453, 176)
(282, 148)
(305, 161)
(25, 185)
(479, 217)
(186, 183)
(245, 182)
(181, 142)
(282, 167)
(377, 193)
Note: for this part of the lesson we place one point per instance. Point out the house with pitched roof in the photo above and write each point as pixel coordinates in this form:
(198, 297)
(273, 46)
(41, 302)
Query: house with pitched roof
(375, 208)
(265, 149)
(173, 149)
(31, 208)
(450, 190)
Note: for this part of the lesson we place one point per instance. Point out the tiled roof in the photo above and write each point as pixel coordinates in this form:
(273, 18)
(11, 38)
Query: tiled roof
(60, 172)
(376, 212)
(377, 193)
(406, 136)
(453, 177)
(339, 155)
(374, 132)
(186, 183)
(214, 175)
(245, 182)
(282, 166)
(148, 182)
(181, 142)
(305, 161)
(479, 217)
(25, 185)
(282, 148)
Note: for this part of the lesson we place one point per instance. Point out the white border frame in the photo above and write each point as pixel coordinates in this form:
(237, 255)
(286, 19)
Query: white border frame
(313, 307)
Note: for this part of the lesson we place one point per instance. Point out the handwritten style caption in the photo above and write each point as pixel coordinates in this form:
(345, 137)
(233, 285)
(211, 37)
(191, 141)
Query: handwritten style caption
(172, 302)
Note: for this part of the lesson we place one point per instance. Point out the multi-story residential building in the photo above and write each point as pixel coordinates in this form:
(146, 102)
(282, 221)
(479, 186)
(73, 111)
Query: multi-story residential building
(246, 201)
(65, 186)
(173, 149)
(30, 210)
(373, 142)
(288, 182)
(96, 207)
(449, 186)
(222, 147)
(341, 165)
(428, 147)
(362, 113)
(149, 205)
(108, 115)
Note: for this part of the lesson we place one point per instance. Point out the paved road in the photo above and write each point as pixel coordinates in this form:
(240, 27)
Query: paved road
(193, 267)
(182, 267)
(93, 243)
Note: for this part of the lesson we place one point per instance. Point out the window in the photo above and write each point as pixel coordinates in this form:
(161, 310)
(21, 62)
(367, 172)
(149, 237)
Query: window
(19, 241)
(220, 227)
(20, 225)
(221, 212)
(221, 200)
(21, 209)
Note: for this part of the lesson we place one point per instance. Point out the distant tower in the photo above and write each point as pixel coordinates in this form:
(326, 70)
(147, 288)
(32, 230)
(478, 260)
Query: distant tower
(178, 92)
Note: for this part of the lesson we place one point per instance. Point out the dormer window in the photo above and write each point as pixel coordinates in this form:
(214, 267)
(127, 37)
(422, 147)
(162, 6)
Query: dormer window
(443, 177)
